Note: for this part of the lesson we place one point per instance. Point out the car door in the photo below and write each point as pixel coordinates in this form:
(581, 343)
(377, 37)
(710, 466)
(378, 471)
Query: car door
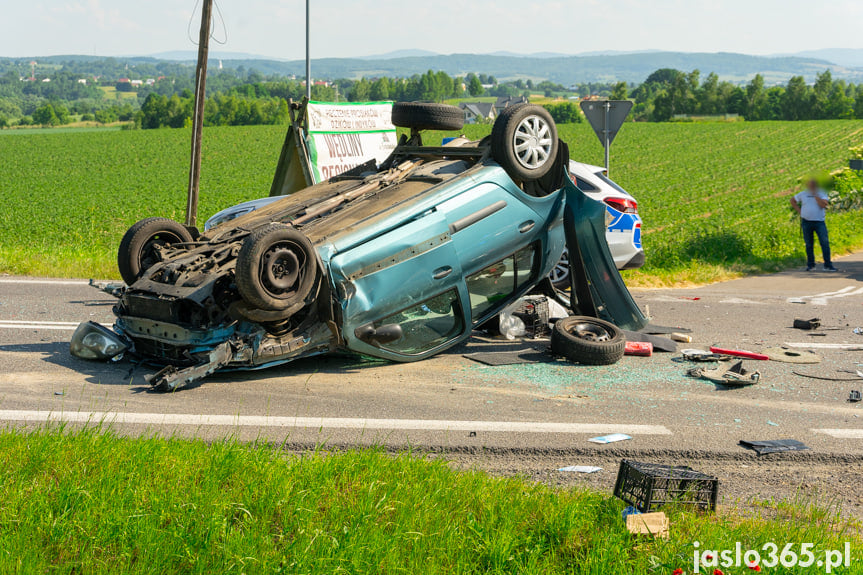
(402, 294)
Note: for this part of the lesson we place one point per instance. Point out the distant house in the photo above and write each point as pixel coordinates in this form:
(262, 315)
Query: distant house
(82, 81)
(504, 102)
(477, 111)
(137, 82)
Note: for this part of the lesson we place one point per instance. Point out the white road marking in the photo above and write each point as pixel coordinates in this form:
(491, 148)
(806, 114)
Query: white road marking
(842, 433)
(822, 298)
(46, 282)
(42, 325)
(327, 422)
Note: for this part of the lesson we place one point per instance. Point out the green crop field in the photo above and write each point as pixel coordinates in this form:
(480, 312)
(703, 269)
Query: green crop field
(713, 196)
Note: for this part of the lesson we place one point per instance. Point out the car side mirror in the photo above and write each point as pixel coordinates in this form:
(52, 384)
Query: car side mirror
(378, 336)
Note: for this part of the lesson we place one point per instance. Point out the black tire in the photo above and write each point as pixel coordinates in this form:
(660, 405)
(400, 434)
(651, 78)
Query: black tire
(520, 123)
(137, 251)
(276, 268)
(588, 340)
(424, 116)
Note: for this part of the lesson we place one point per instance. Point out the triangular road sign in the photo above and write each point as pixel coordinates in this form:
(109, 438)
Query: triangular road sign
(595, 112)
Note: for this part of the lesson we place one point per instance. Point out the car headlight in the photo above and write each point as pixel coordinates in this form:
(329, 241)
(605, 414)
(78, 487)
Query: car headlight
(226, 216)
(94, 341)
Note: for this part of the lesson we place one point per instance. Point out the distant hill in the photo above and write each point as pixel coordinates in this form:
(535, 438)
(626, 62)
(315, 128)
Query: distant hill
(849, 57)
(563, 69)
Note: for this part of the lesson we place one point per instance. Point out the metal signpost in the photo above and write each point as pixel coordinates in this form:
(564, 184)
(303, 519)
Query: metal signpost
(606, 117)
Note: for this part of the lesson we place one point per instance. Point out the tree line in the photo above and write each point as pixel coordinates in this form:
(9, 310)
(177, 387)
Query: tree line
(245, 97)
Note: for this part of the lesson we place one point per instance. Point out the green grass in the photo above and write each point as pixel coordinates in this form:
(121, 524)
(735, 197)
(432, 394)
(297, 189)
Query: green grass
(714, 197)
(93, 502)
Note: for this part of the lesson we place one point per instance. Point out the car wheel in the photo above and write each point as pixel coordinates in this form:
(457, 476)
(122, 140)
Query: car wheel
(588, 340)
(276, 268)
(524, 141)
(425, 116)
(139, 246)
(559, 274)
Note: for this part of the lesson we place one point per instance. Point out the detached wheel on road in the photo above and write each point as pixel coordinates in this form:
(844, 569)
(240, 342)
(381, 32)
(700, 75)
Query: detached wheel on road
(588, 340)
(425, 116)
(276, 268)
(524, 141)
(139, 246)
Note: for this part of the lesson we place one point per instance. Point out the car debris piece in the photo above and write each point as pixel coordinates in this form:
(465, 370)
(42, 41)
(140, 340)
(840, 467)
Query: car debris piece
(95, 341)
(653, 524)
(739, 353)
(807, 324)
(700, 355)
(638, 348)
(786, 355)
(580, 469)
(824, 378)
(497, 358)
(612, 438)
(858, 330)
(729, 376)
(855, 397)
(663, 330)
(648, 486)
(763, 447)
(659, 343)
(681, 337)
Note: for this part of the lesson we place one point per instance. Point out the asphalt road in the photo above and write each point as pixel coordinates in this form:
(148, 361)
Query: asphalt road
(527, 419)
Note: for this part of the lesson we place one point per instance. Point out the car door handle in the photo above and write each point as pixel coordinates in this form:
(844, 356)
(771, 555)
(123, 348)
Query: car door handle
(441, 273)
(526, 226)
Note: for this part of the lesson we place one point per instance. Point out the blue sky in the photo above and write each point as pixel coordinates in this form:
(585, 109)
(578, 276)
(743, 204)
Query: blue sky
(346, 28)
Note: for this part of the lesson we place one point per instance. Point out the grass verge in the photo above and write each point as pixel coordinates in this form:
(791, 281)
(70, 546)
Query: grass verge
(93, 502)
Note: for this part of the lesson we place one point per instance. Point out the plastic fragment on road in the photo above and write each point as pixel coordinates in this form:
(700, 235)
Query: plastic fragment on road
(729, 376)
(763, 447)
(651, 524)
(612, 438)
(580, 469)
(806, 324)
(786, 355)
(690, 298)
(701, 355)
(740, 353)
(772, 423)
(855, 397)
(681, 337)
(858, 330)
(638, 348)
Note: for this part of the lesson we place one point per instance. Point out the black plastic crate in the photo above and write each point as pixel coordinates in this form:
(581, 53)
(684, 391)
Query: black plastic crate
(533, 311)
(648, 486)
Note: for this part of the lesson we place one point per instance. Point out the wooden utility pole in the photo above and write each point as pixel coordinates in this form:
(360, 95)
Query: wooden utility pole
(198, 119)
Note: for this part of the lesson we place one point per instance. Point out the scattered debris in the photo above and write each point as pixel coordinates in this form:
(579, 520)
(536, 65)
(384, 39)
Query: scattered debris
(786, 355)
(858, 330)
(702, 356)
(638, 348)
(495, 358)
(580, 469)
(653, 524)
(728, 376)
(807, 324)
(773, 446)
(472, 434)
(648, 486)
(772, 423)
(663, 330)
(740, 353)
(796, 300)
(822, 378)
(855, 397)
(59, 393)
(689, 298)
(810, 345)
(612, 438)
(659, 343)
(681, 337)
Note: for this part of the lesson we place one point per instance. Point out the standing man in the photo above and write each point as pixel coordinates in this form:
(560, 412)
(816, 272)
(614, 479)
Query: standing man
(811, 205)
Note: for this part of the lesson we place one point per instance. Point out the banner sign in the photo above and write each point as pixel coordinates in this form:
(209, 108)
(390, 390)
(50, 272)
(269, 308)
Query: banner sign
(343, 136)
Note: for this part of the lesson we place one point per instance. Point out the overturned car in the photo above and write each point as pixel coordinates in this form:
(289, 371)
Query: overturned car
(399, 261)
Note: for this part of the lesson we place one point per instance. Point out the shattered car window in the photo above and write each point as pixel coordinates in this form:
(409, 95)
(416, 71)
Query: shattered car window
(495, 283)
(426, 325)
